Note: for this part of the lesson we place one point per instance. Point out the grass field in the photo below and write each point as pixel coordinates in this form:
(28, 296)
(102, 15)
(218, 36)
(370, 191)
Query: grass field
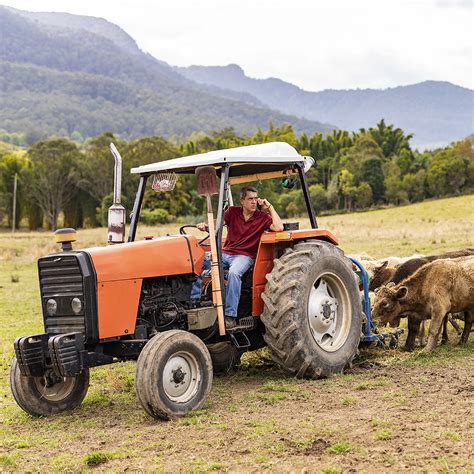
(392, 412)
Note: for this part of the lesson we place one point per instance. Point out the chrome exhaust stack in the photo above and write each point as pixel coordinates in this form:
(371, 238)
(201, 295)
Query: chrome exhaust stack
(116, 220)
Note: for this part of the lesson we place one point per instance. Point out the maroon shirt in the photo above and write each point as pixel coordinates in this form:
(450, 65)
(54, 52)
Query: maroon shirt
(243, 236)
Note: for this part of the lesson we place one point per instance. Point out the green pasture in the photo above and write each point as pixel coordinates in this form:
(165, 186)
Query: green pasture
(111, 432)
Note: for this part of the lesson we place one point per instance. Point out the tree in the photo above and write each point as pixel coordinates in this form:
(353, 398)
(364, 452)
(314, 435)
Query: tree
(97, 166)
(392, 141)
(9, 166)
(318, 197)
(51, 177)
(446, 173)
(147, 150)
(372, 174)
(414, 184)
(363, 196)
(465, 149)
(364, 148)
(347, 188)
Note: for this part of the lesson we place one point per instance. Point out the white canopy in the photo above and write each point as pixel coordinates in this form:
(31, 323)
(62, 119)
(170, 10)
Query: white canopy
(274, 154)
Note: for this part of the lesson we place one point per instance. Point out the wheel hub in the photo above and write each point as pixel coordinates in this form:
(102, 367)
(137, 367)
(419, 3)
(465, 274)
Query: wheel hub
(178, 376)
(327, 310)
(181, 377)
(323, 313)
(54, 388)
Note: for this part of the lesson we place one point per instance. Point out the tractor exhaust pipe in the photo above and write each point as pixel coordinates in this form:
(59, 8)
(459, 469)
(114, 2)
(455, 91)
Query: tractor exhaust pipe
(116, 221)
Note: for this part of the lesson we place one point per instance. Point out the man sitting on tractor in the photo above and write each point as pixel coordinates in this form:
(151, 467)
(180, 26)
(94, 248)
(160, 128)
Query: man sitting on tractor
(245, 226)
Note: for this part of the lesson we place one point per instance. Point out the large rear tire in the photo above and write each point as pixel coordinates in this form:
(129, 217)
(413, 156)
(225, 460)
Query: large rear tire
(173, 374)
(312, 310)
(50, 394)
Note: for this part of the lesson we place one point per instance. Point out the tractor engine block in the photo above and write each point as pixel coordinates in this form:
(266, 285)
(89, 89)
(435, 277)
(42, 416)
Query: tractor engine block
(163, 301)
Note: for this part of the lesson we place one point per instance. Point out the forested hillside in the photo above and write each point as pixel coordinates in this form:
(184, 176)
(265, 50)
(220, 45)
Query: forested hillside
(352, 171)
(435, 112)
(63, 74)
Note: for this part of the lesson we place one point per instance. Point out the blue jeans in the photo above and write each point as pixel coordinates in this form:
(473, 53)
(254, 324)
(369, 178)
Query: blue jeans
(237, 265)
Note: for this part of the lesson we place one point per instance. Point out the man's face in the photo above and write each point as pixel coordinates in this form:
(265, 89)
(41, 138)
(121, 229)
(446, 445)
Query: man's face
(249, 203)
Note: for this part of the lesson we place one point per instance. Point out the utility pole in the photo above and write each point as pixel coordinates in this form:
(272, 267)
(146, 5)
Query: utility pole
(14, 202)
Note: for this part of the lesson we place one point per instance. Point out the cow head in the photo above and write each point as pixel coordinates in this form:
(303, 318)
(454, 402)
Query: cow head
(387, 307)
(381, 275)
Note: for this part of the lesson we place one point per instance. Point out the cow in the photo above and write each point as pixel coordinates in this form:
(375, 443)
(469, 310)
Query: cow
(409, 267)
(383, 271)
(434, 290)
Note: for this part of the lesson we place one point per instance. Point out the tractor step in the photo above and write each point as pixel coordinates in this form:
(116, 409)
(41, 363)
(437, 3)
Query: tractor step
(237, 333)
(245, 324)
(239, 339)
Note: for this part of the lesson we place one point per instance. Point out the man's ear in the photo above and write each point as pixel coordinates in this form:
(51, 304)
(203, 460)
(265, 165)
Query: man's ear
(401, 292)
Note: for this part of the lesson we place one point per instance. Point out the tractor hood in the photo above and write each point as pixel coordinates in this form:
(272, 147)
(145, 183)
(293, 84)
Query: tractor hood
(173, 255)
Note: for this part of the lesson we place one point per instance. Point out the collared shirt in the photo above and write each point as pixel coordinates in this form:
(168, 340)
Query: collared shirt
(243, 236)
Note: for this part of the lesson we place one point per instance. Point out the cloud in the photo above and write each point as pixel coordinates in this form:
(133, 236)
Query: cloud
(315, 45)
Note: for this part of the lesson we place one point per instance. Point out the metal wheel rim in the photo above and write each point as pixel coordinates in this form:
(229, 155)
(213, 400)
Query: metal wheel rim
(181, 377)
(328, 300)
(57, 391)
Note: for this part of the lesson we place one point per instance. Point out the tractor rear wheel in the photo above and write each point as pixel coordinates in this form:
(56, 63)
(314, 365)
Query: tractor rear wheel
(173, 374)
(312, 310)
(50, 394)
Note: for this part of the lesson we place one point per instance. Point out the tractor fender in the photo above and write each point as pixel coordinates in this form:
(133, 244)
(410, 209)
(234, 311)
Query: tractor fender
(267, 252)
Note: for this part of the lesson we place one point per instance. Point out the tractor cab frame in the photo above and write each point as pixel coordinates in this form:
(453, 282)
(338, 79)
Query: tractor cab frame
(236, 167)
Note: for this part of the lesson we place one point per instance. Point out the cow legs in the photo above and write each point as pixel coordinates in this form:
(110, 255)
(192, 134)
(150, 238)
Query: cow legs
(437, 319)
(455, 325)
(468, 320)
(413, 327)
(421, 334)
(444, 337)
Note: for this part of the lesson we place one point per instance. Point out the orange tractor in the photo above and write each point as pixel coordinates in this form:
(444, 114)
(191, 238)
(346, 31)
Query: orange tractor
(131, 300)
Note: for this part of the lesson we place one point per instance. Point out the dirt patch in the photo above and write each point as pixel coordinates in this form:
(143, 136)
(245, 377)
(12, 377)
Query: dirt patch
(405, 417)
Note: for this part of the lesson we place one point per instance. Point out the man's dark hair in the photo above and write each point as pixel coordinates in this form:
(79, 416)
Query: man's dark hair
(247, 189)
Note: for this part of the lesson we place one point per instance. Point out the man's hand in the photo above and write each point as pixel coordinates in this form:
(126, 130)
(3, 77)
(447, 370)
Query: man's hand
(202, 226)
(264, 204)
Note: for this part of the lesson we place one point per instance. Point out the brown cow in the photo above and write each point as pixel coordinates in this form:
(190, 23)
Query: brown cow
(386, 274)
(437, 288)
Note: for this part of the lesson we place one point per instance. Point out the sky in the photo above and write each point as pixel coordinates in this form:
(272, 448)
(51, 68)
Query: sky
(314, 44)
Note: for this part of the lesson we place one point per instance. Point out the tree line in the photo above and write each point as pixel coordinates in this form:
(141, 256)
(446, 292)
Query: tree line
(69, 183)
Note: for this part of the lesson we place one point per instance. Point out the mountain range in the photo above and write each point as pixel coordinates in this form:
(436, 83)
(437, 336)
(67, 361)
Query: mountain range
(63, 73)
(435, 112)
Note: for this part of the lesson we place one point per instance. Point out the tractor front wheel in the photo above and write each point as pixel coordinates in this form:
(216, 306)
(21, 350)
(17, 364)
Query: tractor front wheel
(49, 394)
(312, 310)
(173, 374)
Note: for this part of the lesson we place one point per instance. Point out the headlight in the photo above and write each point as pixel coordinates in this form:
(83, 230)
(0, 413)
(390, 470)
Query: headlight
(51, 307)
(76, 305)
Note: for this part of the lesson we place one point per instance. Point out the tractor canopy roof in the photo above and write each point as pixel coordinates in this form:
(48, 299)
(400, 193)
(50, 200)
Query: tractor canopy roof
(245, 160)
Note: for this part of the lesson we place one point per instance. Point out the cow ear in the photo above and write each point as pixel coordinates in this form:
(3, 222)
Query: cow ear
(384, 264)
(401, 292)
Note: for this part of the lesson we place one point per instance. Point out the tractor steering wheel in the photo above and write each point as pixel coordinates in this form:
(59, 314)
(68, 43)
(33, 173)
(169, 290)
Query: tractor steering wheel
(200, 242)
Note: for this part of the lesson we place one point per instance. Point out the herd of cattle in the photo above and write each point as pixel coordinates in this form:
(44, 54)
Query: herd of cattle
(436, 287)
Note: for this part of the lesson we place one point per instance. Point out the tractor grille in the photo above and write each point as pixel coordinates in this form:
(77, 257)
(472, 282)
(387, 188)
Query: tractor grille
(61, 280)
